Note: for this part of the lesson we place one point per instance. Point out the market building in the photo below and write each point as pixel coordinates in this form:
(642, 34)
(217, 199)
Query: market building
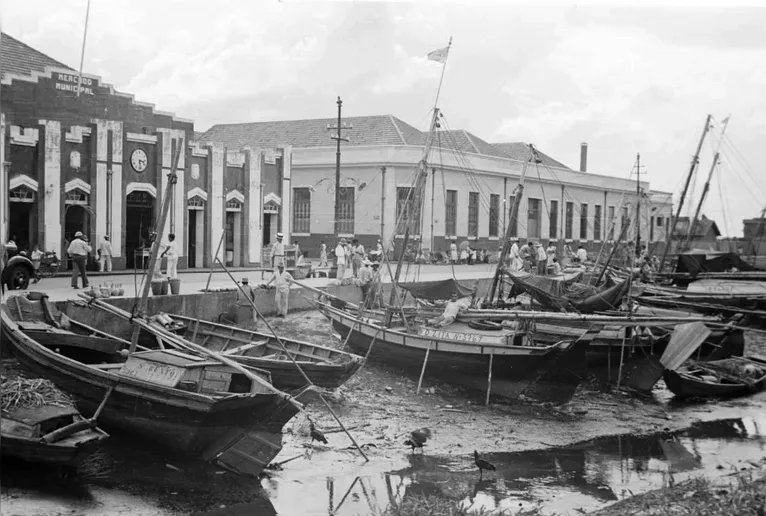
(98, 162)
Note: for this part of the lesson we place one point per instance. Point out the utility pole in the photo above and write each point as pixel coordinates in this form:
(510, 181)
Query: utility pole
(638, 204)
(338, 138)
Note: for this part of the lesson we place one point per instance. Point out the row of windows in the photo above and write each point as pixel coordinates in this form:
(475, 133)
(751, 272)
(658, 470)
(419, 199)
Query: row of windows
(407, 216)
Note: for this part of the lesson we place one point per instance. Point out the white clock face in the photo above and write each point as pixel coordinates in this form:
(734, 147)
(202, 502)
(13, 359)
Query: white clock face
(139, 160)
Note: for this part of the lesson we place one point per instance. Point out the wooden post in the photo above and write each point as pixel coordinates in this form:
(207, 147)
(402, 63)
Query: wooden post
(166, 202)
(209, 277)
(489, 378)
(423, 369)
(292, 358)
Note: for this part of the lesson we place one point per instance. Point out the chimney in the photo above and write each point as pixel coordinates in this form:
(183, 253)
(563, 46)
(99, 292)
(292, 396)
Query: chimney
(583, 157)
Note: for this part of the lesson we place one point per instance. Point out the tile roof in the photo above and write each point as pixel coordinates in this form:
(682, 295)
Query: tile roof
(20, 59)
(466, 142)
(518, 151)
(365, 130)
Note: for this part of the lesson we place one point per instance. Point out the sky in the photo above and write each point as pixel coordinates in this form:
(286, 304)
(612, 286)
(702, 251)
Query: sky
(624, 77)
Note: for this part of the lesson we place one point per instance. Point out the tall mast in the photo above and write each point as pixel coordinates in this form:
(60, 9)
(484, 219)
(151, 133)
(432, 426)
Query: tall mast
(638, 203)
(706, 188)
(418, 192)
(512, 220)
(692, 168)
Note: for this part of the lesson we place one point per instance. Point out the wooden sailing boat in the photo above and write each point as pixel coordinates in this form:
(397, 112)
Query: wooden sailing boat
(506, 361)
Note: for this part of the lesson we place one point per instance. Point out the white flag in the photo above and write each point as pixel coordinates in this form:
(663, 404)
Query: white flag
(440, 55)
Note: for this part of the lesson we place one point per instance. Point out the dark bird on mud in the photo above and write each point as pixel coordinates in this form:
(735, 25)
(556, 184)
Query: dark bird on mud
(418, 438)
(482, 464)
(316, 435)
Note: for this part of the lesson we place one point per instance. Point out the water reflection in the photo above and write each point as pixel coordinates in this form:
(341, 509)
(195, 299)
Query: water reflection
(584, 476)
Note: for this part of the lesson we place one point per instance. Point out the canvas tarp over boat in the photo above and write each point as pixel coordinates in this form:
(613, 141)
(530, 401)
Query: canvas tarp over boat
(436, 290)
(696, 261)
(565, 293)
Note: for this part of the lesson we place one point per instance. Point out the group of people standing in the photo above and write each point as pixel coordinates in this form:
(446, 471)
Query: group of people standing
(533, 257)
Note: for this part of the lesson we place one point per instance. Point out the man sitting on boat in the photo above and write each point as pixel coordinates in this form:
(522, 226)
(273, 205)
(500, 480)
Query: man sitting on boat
(451, 311)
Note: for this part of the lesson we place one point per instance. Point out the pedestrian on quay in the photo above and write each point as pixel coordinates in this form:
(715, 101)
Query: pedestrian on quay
(453, 252)
(105, 254)
(37, 257)
(340, 258)
(542, 259)
(281, 280)
(171, 253)
(525, 255)
(278, 252)
(358, 256)
(78, 251)
(323, 254)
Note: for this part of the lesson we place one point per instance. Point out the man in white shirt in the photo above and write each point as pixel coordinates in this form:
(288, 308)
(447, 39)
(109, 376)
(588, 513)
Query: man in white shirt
(105, 255)
(171, 253)
(340, 258)
(582, 254)
(78, 250)
(281, 280)
(278, 252)
(323, 254)
(542, 259)
(451, 311)
(515, 257)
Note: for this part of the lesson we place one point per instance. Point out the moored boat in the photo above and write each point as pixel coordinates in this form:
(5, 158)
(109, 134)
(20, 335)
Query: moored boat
(50, 434)
(200, 408)
(719, 378)
(325, 367)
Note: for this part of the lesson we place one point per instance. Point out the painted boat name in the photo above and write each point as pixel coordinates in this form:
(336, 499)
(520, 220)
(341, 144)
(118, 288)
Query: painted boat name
(451, 335)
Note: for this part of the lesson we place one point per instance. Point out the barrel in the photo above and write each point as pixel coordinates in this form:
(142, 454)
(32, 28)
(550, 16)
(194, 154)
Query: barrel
(175, 286)
(156, 287)
(164, 288)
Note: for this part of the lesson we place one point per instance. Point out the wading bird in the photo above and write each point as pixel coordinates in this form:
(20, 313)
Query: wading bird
(316, 435)
(482, 464)
(418, 438)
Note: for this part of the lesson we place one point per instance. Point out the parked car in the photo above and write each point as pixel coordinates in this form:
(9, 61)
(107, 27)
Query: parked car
(18, 271)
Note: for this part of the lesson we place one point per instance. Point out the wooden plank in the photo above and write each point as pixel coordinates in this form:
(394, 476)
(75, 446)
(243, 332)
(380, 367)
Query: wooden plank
(107, 366)
(245, 347)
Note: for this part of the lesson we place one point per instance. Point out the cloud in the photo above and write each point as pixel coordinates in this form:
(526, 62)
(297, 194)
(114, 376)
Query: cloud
(626, 80)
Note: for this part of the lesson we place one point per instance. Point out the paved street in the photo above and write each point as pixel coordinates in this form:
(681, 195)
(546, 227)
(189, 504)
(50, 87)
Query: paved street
(59, 288)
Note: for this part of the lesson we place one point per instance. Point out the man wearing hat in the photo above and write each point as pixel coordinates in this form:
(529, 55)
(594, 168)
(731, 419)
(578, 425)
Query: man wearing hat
(245, 311)
(78, 250)
(281, 280)
(105, 254)
(278, 252)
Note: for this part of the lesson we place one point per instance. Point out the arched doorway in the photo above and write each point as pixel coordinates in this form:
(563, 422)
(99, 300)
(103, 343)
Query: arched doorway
(139, 222)
(22, 216)
(78, 216)
(195, 237)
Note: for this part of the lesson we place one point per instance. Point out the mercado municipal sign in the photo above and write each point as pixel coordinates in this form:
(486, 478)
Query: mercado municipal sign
(70, 82)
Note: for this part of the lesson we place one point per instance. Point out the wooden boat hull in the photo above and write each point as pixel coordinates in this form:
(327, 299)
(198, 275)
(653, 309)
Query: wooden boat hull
(330, 374)
(193, 424)
(59, 454)
(683, 385)
(514, 368)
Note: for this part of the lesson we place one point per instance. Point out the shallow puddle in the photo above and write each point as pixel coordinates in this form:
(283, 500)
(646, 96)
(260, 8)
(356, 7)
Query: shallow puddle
(134, 478)
(584, 476)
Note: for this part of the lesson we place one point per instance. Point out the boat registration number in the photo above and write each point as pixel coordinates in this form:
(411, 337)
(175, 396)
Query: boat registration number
(152, 372)
(453, 335)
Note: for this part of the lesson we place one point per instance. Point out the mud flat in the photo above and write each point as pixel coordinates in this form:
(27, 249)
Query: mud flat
(598, 449)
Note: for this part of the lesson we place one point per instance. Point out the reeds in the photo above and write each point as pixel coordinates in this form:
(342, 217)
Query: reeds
(17, 393)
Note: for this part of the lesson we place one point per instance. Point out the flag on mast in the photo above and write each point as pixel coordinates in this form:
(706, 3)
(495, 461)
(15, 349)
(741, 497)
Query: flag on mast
(440, 55)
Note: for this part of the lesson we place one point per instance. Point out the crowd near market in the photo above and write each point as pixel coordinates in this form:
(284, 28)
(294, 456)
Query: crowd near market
(474, 309)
